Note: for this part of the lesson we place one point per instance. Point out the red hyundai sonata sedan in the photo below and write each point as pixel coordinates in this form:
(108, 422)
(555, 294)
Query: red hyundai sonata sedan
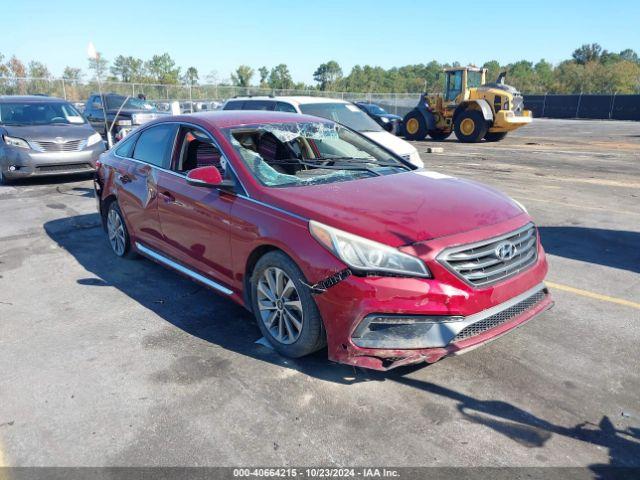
(328, 238)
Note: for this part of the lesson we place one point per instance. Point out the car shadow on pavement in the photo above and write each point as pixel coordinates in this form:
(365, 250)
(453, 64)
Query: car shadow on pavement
(200, 313)
(52, 179)
(530, 431)
(611, 248)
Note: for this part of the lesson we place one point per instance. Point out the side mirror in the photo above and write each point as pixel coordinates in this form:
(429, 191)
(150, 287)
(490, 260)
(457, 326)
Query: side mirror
(96, 106)
(208, 177)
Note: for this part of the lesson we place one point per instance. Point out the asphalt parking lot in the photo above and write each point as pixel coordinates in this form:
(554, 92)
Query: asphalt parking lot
(114, 362)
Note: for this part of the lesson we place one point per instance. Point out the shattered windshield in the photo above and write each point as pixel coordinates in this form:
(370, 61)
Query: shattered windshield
(310, 153)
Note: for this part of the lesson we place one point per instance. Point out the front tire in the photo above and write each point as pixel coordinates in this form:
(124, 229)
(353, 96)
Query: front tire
(495, 136)
(117, 232)
(4, 180)
(284, 308)
(415, 126)
(470, 126)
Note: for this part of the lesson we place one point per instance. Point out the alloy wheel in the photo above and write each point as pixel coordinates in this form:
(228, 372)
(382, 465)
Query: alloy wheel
(115, 230)
(279, 305)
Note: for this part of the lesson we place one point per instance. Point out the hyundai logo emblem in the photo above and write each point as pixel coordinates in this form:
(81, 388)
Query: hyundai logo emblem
(505, 251)
(59, 140)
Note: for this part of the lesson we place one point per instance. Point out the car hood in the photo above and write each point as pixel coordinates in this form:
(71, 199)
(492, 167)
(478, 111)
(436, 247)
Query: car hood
(393, 143)
(399, 209)
(49, 133)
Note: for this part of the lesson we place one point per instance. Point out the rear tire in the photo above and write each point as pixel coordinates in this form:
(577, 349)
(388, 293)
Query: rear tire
(495, 136)
(415, 126)
(439, 135)
(117, 233)
(470, 126)
(283, 306)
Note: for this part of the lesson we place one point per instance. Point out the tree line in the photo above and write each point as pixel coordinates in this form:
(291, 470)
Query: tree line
(591, 69)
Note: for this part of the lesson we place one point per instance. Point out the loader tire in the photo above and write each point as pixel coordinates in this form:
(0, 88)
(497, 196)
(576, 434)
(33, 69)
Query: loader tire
(415, 126)
(495, 136)
(470, 126)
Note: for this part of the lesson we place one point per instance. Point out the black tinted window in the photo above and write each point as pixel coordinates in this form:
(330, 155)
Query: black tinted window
(258, 105)
(285, 107)
(125, 149)
(155, 144)
(234, 105)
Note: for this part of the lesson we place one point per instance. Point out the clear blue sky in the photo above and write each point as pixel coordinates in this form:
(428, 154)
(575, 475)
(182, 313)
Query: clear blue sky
(220, 35)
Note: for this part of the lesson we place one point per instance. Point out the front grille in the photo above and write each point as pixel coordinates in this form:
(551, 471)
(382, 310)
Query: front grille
(74, 167)
(501, 317)
(70, 146)
(482, 264)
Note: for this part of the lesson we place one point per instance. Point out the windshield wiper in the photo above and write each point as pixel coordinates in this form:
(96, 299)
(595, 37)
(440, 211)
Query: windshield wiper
(328, 167)
(359, 161)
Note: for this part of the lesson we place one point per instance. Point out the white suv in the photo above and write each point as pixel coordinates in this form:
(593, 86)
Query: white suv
(339, 111)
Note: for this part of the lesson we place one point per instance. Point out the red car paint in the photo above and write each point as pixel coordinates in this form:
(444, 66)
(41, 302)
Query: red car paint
(220, 235)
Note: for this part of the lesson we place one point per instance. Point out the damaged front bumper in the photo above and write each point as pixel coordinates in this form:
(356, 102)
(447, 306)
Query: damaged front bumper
(423, 331)
(384, 322)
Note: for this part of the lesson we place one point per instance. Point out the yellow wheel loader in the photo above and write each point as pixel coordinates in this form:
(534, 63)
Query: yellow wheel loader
(470, 107)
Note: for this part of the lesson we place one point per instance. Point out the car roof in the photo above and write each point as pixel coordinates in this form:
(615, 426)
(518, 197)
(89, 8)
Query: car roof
(30, 98)
(294, 99)
(237, 118)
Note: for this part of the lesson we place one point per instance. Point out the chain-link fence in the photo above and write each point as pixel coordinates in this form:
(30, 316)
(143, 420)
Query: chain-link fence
(79, 91)
(201, 97)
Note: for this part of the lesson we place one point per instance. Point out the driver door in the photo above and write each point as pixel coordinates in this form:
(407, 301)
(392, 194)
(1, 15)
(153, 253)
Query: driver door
(454, 85)
(195, 220)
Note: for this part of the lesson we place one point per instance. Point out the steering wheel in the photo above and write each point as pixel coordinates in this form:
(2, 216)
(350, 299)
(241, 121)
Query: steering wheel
(58, 120)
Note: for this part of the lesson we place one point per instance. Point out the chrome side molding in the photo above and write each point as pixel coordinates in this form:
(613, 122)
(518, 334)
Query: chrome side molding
(182, 269)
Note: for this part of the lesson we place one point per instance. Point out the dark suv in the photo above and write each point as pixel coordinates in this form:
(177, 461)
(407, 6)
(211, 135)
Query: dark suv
(130, 113)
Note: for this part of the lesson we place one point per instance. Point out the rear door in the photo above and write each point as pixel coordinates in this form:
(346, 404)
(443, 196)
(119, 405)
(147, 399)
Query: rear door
(195, 220)
(137, 183)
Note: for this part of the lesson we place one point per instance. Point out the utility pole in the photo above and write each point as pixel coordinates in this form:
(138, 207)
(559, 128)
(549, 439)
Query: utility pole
(93, 54)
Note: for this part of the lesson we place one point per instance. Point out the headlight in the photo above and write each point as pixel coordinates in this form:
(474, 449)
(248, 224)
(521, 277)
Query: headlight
(384, 119)
(124, 123)
(93, 139)
(524, 209)
(15, 142)
(365, 255)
